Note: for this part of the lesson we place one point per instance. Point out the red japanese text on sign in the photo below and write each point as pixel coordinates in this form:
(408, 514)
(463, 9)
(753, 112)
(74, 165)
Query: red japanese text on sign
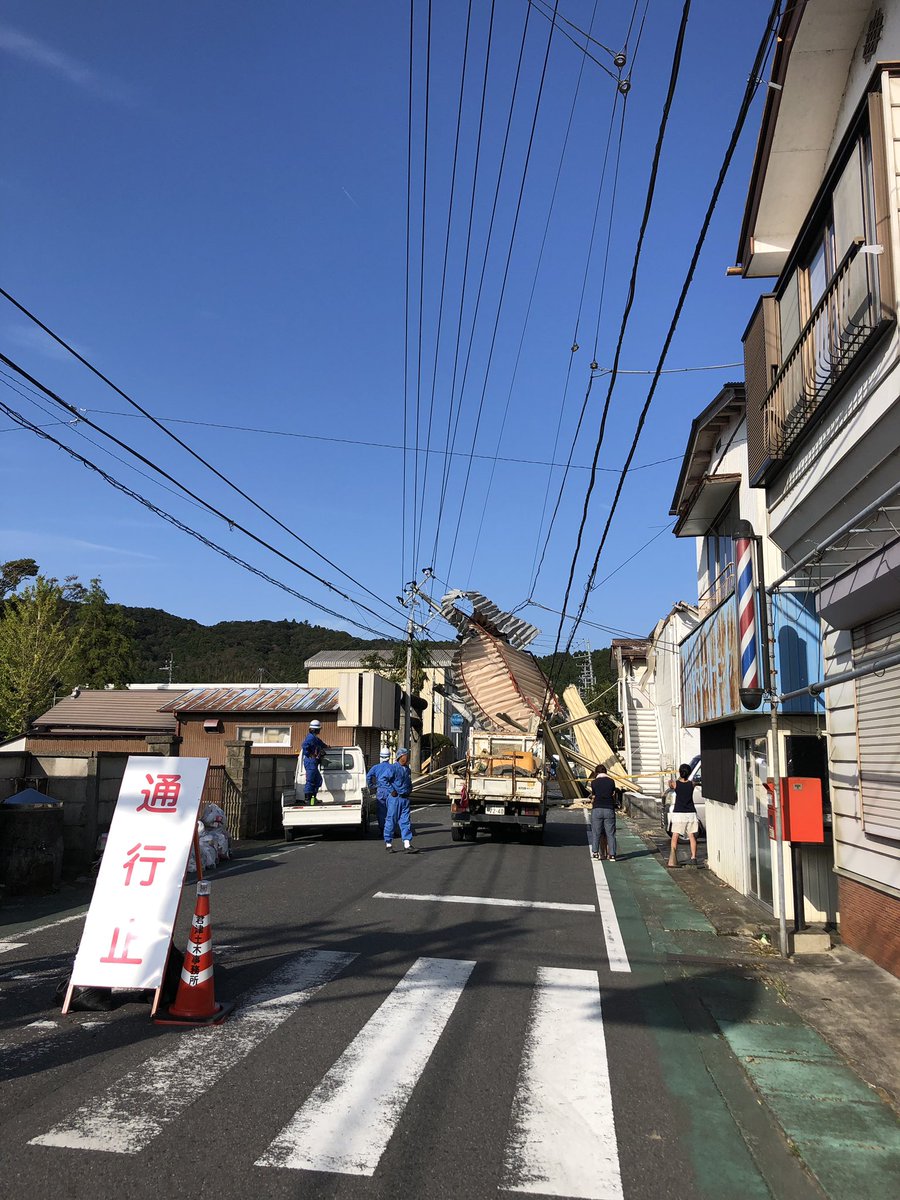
(162, 794)
(153, 856)
(121, 956)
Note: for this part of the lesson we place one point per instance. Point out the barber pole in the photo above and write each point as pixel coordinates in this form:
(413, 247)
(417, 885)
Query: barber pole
(747, 614)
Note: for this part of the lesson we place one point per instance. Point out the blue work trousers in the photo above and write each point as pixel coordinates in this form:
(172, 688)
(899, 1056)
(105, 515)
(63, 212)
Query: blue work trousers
(381, 807)
(398, 813)
(313, 778)
(603, 819)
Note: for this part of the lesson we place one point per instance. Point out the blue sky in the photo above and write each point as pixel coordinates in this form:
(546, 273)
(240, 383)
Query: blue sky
(209, 202)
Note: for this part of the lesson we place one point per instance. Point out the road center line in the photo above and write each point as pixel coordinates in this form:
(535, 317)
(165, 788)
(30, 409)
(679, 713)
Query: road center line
(79, 916)
(487, 900)
(133, 1110)
(245, 863)
(615, 944)
(562, 1139)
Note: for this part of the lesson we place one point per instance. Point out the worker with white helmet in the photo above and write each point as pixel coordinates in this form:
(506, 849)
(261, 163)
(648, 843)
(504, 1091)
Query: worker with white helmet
(313, 749)
(378, 781)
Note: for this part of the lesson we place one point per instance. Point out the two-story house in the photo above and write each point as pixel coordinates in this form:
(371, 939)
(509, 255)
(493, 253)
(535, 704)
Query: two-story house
(724, 664)
(823, 409)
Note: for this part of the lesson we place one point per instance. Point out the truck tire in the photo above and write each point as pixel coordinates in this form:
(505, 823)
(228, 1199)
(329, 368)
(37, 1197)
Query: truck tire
(290, 833)
(457, 833)
(537, 835)
(470, 833)
(364, 823)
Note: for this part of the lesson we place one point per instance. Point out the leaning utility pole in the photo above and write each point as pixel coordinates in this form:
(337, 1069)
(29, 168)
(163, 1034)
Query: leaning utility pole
(410, 596)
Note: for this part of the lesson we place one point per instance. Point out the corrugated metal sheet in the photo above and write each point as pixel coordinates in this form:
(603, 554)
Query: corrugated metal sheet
(798, 648)
(498, 682)
(256, 700)
(114, 709)
(516, 632)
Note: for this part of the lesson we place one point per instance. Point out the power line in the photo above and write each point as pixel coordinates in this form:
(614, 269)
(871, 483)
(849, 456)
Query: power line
(448, 446)
(583, 49)
(229, 521)
(406, 293)
(440, 316)
(749, 92)
(487, 249)
(184, 445)
(415, 517)
(632, 287)
(534, 282)
(178, 524)
(283, 433)
(512, 238)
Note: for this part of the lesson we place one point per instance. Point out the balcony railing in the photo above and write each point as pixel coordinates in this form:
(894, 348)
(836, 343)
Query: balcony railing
(835, 333)
(720, 589)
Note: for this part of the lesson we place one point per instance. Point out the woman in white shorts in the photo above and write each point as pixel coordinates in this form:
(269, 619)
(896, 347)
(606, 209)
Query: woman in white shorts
(683, 817)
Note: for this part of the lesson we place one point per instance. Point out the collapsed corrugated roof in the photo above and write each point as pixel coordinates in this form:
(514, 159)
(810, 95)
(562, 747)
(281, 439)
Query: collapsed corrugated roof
(256, 699)
(516, 632)
(500, 682)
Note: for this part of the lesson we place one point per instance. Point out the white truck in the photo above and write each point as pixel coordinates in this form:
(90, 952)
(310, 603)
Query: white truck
(501, 787)
(343, 801)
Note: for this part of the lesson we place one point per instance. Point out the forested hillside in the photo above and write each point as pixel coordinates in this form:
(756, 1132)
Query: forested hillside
(231, 651)
(245, 651)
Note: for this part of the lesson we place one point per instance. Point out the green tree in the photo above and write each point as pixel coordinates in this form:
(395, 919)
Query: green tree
(37, 651)
(106, 652)
(12, 573)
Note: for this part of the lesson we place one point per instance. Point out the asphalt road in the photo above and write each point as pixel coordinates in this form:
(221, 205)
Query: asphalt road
(395, 1035)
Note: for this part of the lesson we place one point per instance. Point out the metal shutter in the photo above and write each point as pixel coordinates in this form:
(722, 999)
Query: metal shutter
(717, 762)
(878, 724)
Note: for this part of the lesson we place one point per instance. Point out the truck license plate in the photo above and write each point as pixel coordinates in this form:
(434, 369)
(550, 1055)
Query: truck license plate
(495, 810)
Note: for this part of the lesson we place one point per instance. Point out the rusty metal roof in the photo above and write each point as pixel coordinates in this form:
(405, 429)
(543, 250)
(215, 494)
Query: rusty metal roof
(95, 710)
(256, 700)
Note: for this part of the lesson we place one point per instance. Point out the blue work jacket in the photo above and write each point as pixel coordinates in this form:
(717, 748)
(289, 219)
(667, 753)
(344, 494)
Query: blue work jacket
(379, 779)
(313, 748)
(401, 780)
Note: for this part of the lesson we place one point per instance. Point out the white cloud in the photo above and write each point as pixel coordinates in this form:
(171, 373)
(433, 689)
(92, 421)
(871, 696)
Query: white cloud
(31, 337)
(40, 54)
(38, 542)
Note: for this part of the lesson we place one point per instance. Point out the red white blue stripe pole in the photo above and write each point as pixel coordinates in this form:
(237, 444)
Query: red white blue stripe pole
(746, 598)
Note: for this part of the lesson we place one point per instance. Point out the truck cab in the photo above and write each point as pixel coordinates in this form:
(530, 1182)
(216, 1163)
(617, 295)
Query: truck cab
(500, 788)
(343, 801)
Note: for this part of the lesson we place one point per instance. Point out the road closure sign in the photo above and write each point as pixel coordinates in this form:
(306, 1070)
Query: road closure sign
(129, 925)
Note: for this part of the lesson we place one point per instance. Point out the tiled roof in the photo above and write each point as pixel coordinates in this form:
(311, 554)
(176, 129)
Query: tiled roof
(217, 699)
(94, 710)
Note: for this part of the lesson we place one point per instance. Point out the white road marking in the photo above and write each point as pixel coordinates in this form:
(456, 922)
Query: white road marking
(250, 862)
(5, 947)
(50, 925)
(347, 1122)
(41, 1025)
(562, 1139)
(132, 1111)
(615, 943)
(487, 900)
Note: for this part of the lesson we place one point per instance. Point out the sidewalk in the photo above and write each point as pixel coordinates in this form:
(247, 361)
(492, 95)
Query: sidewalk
(818, 1036)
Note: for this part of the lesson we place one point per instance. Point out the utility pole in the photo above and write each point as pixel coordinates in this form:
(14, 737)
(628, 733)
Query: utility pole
(410, 597)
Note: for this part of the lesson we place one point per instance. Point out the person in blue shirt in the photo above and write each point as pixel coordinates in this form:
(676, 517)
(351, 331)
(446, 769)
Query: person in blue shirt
(399, 791)
(378, 782)
(312, 750)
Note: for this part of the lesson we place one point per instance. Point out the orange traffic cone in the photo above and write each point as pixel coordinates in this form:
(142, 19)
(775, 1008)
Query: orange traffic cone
(195, 1001)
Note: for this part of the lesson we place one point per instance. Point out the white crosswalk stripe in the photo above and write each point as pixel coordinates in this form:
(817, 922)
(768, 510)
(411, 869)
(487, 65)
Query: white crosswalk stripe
(347, 1122)
(562, 1139)
(130, 1114)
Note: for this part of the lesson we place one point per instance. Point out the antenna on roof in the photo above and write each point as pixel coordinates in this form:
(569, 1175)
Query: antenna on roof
(169, 666)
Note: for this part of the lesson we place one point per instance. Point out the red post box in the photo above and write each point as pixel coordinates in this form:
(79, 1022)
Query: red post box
(801, 811)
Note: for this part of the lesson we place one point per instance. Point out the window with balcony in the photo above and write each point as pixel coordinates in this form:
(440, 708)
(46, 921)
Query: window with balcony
(827, 306)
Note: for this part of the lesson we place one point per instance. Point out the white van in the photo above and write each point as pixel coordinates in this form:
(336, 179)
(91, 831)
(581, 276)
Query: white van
(343, 801)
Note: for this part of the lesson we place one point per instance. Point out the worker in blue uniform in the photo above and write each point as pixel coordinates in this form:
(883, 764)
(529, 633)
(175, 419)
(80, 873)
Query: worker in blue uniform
(400, 789)
(378, 782)
(312, 750)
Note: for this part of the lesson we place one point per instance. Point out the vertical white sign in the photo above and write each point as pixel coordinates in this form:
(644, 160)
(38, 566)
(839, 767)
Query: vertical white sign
(129, 925)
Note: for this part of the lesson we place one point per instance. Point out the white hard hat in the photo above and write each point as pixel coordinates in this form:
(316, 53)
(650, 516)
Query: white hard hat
(315, 724)
(385, 754)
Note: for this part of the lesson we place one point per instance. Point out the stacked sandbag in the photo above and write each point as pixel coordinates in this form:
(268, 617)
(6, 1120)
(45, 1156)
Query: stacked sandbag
(215, 844)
